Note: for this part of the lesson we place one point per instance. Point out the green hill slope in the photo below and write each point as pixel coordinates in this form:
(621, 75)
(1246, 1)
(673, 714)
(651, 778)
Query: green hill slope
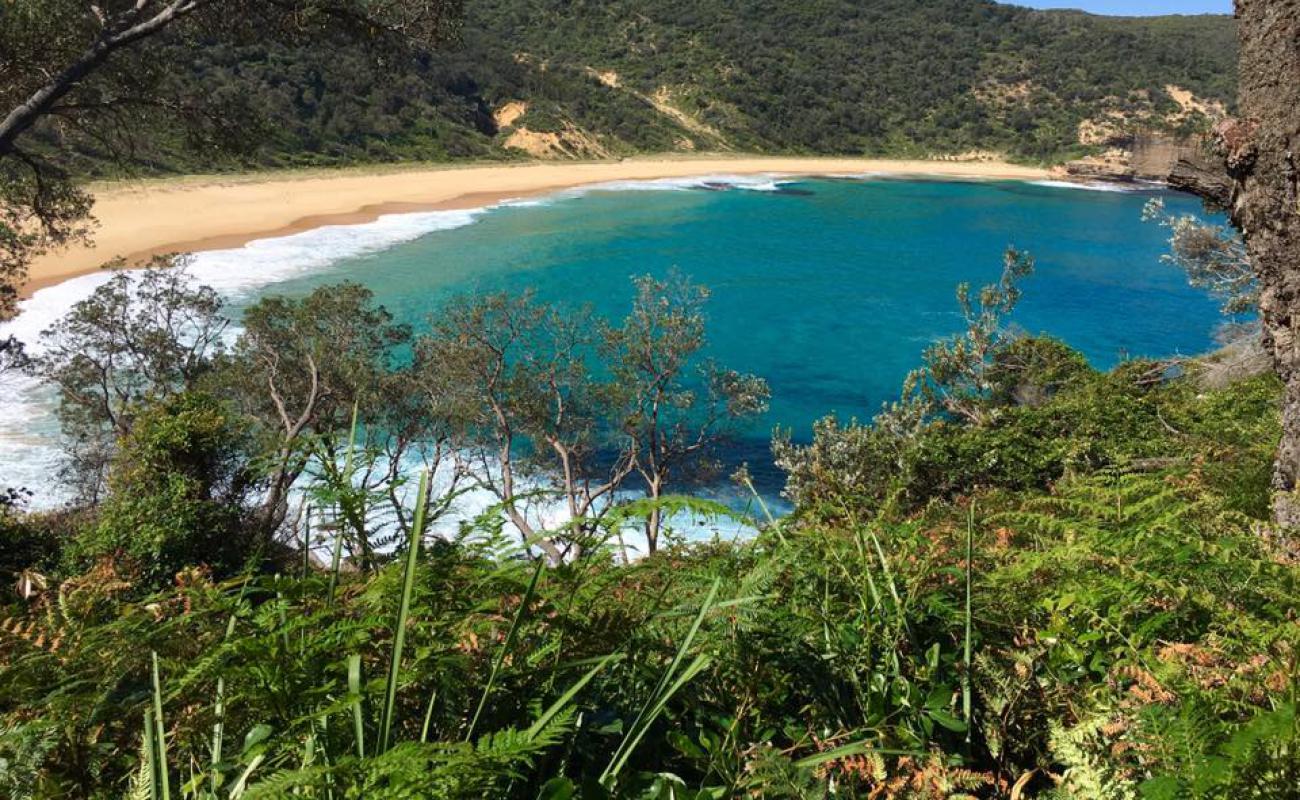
(581, 79)
(851, 76)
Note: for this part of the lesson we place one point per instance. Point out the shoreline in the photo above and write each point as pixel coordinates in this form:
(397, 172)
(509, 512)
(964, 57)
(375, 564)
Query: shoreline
(138, 220)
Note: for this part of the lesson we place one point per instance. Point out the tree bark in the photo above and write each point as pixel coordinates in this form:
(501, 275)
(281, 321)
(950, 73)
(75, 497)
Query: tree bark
(40, 103)
(1253, 175)
(1261, 151)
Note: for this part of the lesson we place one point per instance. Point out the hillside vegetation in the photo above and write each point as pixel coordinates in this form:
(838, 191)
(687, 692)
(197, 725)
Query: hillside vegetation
(591, 79)
(1025, 578)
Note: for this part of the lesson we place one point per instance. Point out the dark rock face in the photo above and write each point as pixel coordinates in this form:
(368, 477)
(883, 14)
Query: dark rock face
(1146, 155)
(1260, 152)
(1202, 174)
(1254, 173)
(1154, 155)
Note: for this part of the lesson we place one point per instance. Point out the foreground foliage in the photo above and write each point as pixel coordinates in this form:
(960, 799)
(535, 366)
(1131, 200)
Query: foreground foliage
(1129, 631)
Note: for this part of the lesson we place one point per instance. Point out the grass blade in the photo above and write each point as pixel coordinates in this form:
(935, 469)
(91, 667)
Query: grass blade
(403, 612)
(160, 733)
(241, 785)
(966, 649)
(505, 646)
(336, 561)
(151, 755)
(668, 685)
(635, 735)
(568, 696)
(306, 541)
(354, 689)
(219, 712)
(219, 703)
(856, 748)
(428, 717)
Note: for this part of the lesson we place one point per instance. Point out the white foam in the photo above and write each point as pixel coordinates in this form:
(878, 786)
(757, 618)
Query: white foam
(29, 441)
(238, 271)
(29, 452)
(262, 262)
(756, 183)
(29, 437)
(1101, 186)
(863, 176)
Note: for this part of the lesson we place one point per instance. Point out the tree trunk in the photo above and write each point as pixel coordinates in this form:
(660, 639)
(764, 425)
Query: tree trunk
(654, 521)
(19, 120)
(1262, 150)
(1253, 174)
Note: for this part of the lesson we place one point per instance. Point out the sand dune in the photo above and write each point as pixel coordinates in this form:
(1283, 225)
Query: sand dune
(143, 218)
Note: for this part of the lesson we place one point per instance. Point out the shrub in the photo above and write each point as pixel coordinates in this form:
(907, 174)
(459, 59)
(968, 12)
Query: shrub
(176, 492)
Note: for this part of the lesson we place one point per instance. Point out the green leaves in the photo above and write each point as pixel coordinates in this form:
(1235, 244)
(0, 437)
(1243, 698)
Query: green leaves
(158, 741)
(672, 680)
(386, 720)
(842, 648)
(504, 651)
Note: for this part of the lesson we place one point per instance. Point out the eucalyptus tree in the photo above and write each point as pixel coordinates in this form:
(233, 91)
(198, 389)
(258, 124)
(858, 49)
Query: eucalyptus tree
(93, 71)
(514, 378)
(970, 378)
(300, 368)
(673, 406)
(556, 405)
(141, 337)
(1213, 257)
(956, 376)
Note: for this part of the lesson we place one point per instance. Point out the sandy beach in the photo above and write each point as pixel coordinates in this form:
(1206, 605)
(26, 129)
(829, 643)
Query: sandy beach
(140, 219)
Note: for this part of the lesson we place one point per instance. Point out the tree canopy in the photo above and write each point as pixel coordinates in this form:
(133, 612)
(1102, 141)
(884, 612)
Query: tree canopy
(108, 75)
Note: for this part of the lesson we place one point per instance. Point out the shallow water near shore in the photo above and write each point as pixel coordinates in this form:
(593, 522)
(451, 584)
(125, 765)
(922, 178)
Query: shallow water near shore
(830, 289)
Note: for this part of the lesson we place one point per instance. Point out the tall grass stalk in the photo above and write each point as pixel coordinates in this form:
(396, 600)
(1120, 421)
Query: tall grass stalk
(668, 685)
(336, 562)
(386, 718)
(772, 521)
(966, 647)
(306, 541)
(886, 571)
(160, 733)
(428, 717)
(354, 689)
(237, 791)
(151, 755)
(219, 712)
(219, 701)
(555, 708)
(505, 646)
(351, 503)
(876, 599)
(340, 510)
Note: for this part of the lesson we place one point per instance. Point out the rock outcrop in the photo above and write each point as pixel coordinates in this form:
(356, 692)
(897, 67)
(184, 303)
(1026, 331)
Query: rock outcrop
(1147, 155)
(1252, 170)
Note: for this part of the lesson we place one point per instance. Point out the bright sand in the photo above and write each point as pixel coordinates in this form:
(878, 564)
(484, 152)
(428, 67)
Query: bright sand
(141, 219)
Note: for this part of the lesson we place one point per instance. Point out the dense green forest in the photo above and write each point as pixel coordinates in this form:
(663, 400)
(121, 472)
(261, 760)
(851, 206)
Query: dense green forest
(886, 77)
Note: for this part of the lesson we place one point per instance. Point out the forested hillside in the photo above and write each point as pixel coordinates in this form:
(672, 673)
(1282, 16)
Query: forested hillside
(584, 79)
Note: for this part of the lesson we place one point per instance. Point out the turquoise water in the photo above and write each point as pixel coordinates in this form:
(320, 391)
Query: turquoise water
(829, 289)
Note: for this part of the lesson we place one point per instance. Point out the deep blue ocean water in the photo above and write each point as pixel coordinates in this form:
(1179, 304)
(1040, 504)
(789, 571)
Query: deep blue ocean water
(830, 289)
